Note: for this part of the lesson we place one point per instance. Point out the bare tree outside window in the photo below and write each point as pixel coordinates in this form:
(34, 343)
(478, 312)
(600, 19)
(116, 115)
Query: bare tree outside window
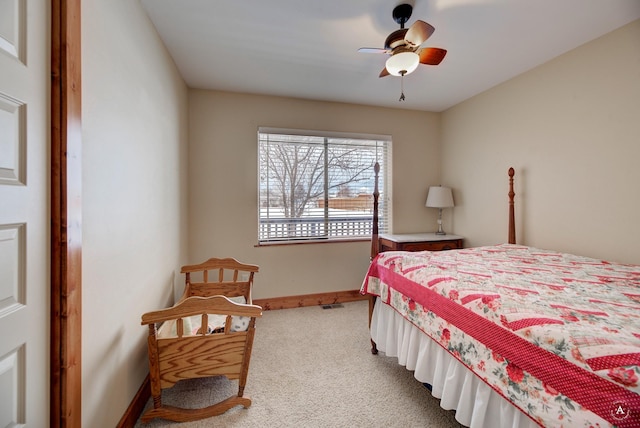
(316, 187)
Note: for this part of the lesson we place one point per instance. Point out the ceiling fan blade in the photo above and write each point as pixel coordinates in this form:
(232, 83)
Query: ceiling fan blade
(373, 50)
(418, 33)
(384, 72)
(431, 56)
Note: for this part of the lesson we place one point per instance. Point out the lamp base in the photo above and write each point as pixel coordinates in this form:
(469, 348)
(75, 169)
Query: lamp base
(440, 230)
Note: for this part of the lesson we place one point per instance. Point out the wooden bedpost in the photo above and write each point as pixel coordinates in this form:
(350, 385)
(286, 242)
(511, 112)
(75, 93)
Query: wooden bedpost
(376, 195)
(512, 218)
(374, 245)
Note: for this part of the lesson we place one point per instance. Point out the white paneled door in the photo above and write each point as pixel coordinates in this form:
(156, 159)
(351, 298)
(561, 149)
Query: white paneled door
(24, 212)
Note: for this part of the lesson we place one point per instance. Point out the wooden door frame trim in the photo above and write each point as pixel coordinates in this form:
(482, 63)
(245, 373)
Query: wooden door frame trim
(66, 208)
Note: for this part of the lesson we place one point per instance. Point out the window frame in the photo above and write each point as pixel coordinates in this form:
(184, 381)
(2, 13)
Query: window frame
(383, 151)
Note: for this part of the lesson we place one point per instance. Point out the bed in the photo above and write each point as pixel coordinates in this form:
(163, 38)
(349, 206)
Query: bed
(209, 332)
(512, 336)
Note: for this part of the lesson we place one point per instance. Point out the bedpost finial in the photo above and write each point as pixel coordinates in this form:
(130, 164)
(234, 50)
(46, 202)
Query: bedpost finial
(511, 172)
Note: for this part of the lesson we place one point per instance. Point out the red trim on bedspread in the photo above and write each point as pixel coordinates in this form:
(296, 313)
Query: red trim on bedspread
(581, 386)
(530, 322)
(612, 361)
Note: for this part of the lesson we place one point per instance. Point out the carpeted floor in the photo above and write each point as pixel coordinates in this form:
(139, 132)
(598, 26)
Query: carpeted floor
(312, 367)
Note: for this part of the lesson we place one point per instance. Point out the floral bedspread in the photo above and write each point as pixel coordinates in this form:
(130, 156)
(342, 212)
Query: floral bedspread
(556, 334)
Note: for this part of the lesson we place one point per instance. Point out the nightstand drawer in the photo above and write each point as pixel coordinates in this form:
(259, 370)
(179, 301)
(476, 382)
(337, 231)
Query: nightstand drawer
(432, 246)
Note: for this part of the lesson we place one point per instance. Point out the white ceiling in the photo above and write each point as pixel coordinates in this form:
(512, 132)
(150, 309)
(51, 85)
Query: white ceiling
(308, 48)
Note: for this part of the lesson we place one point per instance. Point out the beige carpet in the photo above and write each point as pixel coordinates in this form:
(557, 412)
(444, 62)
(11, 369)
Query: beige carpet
(312, 367)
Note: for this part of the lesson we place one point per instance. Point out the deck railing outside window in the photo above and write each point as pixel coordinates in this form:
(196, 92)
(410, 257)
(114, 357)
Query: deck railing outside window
(284, 229)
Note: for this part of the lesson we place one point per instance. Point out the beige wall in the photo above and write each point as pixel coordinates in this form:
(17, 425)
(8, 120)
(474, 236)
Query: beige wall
(571, 129)
(223, 184)
(134, 198)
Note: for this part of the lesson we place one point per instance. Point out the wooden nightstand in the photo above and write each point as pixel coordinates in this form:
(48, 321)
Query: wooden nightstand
(418, 242)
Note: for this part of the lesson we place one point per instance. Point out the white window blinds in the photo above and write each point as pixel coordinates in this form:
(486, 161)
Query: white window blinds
(315, 186)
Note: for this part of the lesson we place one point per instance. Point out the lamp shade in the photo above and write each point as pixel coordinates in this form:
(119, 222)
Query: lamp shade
(402, 63)
(439, 197)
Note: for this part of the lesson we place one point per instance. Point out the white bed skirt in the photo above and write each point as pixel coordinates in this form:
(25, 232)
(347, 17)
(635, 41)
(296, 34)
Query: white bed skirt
(476, 404)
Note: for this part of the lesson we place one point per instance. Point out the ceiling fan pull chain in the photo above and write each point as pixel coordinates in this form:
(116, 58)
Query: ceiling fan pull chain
(401, 87)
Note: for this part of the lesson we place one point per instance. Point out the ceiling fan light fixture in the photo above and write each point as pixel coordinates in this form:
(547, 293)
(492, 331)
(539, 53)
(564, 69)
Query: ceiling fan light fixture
(402, 63)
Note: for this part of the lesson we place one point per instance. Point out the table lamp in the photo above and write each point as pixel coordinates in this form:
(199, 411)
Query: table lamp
(439, 197)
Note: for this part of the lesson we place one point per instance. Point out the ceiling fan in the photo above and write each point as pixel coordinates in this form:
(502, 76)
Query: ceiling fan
(404, 46)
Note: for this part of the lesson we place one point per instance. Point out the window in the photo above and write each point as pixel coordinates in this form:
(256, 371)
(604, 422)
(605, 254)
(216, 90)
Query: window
(319, 186)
